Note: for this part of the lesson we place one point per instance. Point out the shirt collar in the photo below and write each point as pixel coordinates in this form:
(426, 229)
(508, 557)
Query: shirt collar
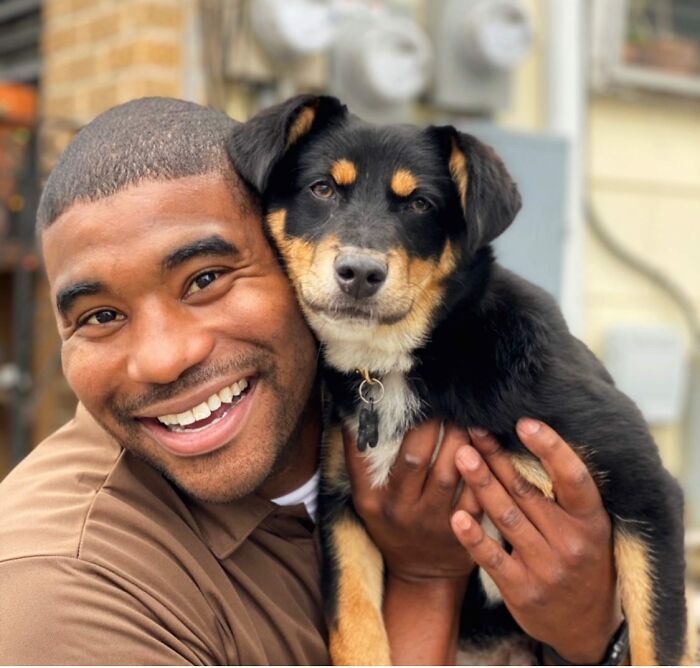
(224, 526)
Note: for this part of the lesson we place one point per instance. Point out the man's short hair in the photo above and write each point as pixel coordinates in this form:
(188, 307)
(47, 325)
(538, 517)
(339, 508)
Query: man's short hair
(152, 138)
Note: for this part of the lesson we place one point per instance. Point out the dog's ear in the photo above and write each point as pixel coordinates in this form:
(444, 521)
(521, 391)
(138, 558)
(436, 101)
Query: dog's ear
(256, 146)
(489, 198)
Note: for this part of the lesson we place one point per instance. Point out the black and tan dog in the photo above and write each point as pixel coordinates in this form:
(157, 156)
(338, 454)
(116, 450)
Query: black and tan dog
(385, 233)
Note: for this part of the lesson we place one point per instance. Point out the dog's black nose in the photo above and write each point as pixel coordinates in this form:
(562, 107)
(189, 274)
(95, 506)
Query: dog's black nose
(360, 276)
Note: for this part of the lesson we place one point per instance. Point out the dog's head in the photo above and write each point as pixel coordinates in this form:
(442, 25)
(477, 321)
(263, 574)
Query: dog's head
(372, 222)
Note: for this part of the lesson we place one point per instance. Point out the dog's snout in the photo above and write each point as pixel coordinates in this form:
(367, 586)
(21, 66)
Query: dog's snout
(359, 276)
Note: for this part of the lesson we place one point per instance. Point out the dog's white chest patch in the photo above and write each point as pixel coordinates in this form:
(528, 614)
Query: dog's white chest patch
(398, 410)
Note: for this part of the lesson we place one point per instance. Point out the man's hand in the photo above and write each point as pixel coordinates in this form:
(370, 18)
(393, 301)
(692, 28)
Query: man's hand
(559, 582)
(409, 518)
(409, 521)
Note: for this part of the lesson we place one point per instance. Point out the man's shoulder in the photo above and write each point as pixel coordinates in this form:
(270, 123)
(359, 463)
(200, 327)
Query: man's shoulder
(75, 494)
(47, 497)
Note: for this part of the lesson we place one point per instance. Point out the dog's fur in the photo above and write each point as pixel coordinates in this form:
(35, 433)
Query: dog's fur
(451, 334)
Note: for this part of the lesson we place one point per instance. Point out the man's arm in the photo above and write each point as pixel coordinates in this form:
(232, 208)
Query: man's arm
(426, 567)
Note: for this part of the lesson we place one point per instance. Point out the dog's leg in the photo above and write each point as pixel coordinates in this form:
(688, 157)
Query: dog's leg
(357, 634)
(352, 570)
(652, 592)
(634, 580)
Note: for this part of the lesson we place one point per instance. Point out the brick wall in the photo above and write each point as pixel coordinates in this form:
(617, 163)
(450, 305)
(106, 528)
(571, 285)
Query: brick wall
(98, 53)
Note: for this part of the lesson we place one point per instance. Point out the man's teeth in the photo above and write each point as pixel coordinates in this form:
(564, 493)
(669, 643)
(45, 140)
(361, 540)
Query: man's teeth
(202, 411)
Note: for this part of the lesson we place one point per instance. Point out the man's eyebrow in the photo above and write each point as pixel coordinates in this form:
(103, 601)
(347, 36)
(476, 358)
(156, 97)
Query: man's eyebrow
(68, 296)
(213, 245)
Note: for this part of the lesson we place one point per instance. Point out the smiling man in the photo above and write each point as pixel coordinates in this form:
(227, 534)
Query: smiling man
(183, 341)
(172, 521)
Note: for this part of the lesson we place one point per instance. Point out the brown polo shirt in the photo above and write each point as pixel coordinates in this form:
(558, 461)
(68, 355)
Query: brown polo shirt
(103, 561)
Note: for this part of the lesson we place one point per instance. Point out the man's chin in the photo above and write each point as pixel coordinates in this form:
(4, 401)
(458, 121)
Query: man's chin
(210, 478)
(220, 476)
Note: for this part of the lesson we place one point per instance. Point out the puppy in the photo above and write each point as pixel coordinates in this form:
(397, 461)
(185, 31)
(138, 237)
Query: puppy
(385, 233)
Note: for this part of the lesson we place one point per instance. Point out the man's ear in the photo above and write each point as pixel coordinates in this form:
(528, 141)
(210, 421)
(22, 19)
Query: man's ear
(259, 144)
(490, 199)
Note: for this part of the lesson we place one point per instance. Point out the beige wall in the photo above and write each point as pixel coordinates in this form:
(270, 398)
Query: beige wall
(644, 174)
(642, 166)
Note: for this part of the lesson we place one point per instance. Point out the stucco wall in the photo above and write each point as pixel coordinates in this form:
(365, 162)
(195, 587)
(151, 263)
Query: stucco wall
(644, 178)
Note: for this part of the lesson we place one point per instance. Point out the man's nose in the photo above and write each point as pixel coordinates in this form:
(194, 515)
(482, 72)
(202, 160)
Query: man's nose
(165, 344)
(359, 275)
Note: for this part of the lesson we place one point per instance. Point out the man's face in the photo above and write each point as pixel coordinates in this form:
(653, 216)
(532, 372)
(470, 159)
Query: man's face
(173, 309)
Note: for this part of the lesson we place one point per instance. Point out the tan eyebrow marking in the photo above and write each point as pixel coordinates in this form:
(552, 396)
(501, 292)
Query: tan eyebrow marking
(458, 170)
(301, 125)
(344, 172)
(403, 182)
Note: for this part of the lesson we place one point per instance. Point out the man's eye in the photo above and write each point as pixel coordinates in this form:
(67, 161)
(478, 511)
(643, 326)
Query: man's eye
(419, 205)
(202, 281)
(102, 317)
(322, 189)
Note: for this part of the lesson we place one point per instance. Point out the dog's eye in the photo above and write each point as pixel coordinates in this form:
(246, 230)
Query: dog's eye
(419, 205)
(322, 189)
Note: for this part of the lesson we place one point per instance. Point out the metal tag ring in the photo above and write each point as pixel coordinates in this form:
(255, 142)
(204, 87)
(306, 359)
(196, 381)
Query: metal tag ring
(371, 382)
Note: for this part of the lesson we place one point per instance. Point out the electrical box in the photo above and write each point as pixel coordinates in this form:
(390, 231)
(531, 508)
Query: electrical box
(247, 59)
(477, 45)
(381, 62)
(649, 364)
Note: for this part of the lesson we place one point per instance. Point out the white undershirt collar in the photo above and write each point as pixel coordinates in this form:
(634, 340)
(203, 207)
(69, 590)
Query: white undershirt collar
(306, 494)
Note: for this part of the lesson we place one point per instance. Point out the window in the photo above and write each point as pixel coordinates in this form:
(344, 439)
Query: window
(647, 44)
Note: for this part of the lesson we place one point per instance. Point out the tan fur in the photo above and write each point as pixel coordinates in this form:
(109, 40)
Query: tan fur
(534, 473)
(423, 286)
(632, 563)
(691, 656)
(301, 125)
(458, 170)
(360, 637)
(403, 182)
(276, 222)
(297, 253)
(344, 172)
(516, 650)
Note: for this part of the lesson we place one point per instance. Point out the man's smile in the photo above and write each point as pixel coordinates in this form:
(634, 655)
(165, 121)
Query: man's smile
(200, 413)
(208, 425)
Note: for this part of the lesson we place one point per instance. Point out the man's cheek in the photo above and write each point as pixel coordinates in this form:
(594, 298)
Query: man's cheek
(83, 372)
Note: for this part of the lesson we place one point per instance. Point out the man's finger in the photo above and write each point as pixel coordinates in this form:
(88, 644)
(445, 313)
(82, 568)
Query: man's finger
(444, 477)
(503, 569)
(467, 501)
(575, 490)
(541, 511)
(502, 510)
(410, 470)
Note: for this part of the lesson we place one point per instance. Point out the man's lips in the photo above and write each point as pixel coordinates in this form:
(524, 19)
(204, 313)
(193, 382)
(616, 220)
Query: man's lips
(207, 434)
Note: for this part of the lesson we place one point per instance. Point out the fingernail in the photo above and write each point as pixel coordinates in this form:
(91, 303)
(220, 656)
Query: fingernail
(462, 520)
(468, 458)
(529, 426)
(479, 431)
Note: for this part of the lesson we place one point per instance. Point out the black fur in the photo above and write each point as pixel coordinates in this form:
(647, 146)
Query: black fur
(498, 348)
